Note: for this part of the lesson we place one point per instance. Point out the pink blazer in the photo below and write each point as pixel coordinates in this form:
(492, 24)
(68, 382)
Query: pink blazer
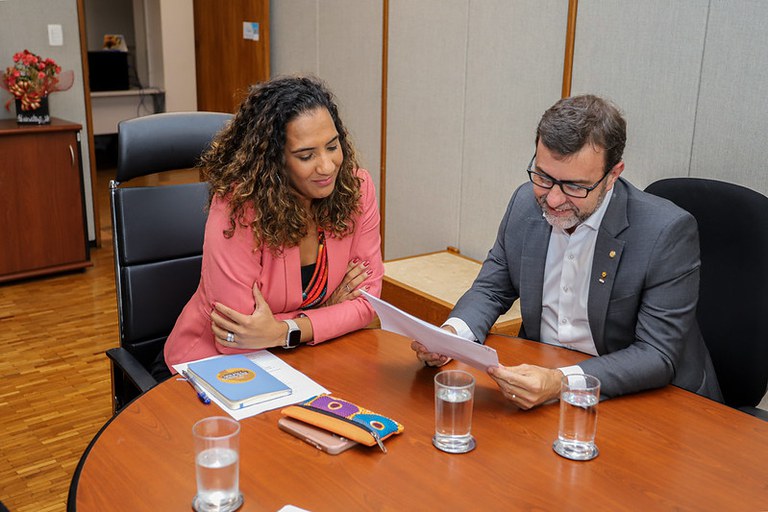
(232, 265)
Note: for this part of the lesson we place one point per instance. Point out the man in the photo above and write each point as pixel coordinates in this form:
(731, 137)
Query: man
(599, 266)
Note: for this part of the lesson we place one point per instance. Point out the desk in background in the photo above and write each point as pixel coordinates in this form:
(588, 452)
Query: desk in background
(666, 449)
(428, 286)
(111, 107)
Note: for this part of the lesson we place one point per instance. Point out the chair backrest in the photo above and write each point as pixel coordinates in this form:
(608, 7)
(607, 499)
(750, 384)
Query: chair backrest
(158, 231)
(733, 294)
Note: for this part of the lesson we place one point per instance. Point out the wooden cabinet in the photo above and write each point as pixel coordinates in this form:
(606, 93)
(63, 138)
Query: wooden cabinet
(42, 212)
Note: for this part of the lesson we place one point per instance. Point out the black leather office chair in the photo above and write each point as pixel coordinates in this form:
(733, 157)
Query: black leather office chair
(733, 294)
(158, 238)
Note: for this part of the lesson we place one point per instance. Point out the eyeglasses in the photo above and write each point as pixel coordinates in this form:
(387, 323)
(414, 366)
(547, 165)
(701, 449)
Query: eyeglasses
(569, 189)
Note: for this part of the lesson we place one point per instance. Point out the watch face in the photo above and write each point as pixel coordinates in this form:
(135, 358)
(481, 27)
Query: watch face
(293, 339)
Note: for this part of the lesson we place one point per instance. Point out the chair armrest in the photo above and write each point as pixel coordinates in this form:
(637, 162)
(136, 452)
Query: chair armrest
(132, 369)
(754, 411)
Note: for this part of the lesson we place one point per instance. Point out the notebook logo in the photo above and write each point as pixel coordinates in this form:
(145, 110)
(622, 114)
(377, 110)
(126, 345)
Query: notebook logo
(236, 375)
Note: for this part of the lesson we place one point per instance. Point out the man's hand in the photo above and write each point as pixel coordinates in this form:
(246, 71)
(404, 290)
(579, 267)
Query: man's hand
(429, 358)
(527, 385)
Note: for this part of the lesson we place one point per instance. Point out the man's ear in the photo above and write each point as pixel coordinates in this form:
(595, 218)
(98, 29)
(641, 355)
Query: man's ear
(614, 174)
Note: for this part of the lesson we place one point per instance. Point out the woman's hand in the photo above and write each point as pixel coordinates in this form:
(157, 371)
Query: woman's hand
(260, 329)
(357, 272)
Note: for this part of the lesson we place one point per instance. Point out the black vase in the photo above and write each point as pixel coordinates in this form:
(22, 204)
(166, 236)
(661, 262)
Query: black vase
(40, 115)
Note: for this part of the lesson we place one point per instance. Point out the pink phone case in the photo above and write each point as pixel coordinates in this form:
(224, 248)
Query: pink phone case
(317, 437)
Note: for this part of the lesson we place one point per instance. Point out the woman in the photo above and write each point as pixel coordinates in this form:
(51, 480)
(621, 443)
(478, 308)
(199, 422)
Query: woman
(292, 234)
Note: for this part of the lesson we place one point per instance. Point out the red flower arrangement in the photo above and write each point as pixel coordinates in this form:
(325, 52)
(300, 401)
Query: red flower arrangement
(32, 78)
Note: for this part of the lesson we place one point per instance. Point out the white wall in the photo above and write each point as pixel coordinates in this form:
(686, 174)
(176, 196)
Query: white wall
(514, 73)
(176, 37)
(646, 56)
(425, 112)
(732, 115)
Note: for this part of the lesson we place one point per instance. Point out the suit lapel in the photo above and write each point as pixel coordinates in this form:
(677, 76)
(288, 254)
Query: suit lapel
(338, 259)
(292, 269)
(605, 263)
(534, 258)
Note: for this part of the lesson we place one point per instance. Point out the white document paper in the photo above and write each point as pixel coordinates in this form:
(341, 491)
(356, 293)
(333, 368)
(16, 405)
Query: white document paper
(433, 338)
(302, 387)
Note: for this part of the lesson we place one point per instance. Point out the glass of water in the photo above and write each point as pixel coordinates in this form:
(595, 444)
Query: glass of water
(579, 396)
(217, 464)
(454, 398)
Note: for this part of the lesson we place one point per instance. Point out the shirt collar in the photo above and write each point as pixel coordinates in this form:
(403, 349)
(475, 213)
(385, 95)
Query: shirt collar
(594, 220)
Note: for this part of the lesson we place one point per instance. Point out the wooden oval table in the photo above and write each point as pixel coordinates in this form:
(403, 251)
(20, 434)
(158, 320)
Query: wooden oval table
(666, 449)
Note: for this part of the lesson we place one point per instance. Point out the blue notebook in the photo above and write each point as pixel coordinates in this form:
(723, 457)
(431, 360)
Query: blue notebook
(237, 381)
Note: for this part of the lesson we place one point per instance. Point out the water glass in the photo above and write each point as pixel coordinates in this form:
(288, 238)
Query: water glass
(217, 464)
(454, 399)
(579, 396)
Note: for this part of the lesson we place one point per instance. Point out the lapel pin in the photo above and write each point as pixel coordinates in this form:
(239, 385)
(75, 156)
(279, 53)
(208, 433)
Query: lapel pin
(603, 276)
(611, 254)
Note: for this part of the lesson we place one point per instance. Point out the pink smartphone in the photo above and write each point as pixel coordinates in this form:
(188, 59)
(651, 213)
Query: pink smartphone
(317, 437)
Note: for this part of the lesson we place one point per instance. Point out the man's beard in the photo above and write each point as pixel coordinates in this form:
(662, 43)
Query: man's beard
(576, 216)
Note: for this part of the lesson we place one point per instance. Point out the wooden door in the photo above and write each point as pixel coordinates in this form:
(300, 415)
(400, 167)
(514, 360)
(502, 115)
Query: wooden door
(228, 63)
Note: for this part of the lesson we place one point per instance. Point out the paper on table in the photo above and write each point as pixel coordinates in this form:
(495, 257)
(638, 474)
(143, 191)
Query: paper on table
(433, 338)
(302, 386)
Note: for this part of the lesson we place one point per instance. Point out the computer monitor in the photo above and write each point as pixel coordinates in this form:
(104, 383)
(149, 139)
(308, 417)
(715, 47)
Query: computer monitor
(108, 70)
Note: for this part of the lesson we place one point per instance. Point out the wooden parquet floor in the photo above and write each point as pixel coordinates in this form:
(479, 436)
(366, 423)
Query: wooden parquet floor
(54, 376)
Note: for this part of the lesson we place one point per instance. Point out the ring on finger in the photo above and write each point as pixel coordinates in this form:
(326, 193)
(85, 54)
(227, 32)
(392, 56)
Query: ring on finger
(230, 337)
(514, 396)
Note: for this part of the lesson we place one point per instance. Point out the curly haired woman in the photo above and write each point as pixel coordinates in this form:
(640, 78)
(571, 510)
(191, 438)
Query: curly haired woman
(293, 229)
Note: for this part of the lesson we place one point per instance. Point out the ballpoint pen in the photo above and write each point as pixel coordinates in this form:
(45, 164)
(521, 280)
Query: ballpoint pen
(200, 393)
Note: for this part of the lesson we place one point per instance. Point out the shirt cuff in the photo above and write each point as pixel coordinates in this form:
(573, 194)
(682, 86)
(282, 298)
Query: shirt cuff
(572, 370)
(462, 329)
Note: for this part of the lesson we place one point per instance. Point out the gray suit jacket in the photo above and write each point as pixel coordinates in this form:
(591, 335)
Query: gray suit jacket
(642, 317)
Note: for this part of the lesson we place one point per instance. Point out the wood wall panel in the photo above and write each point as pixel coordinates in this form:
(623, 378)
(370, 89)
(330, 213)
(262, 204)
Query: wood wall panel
(226, 63)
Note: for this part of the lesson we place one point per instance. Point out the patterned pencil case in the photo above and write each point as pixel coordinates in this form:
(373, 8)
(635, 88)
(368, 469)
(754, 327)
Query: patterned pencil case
(345, 419)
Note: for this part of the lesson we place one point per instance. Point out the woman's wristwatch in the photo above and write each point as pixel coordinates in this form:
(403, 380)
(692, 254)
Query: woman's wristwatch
(293, 338)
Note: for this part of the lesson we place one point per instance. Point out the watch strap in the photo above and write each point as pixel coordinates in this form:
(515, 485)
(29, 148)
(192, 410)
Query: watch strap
(293, 336)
